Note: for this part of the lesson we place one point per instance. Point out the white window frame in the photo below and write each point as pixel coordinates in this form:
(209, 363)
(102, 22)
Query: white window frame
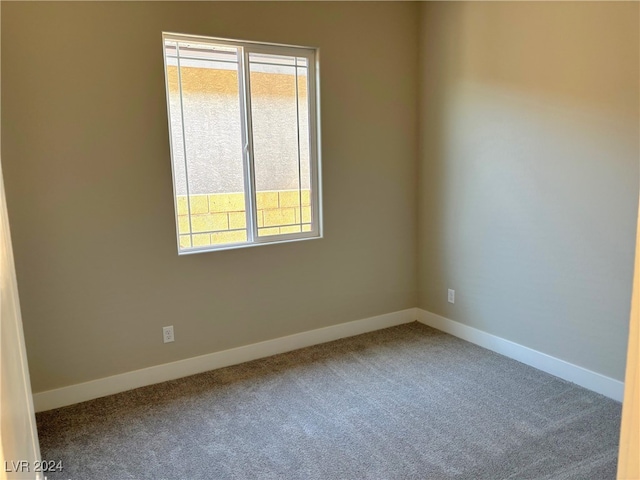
(313, 77)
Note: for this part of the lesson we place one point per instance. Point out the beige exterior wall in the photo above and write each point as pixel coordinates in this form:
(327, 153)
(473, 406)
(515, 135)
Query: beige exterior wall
(529, 172)
(210, 112)
(89, 189)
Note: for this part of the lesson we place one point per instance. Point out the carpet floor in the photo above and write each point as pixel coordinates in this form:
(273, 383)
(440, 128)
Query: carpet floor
(406, 402)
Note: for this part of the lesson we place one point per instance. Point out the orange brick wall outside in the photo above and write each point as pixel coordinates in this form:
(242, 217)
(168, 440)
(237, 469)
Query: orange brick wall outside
(220, 218)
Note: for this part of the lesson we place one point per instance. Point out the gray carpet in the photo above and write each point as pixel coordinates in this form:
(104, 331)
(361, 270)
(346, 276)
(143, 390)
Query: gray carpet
(404, 402)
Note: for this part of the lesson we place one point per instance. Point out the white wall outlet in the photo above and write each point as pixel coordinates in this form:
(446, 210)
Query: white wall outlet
(167, 334)
(451, 296)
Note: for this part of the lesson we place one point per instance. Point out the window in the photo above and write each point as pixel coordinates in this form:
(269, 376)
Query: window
(244, 137)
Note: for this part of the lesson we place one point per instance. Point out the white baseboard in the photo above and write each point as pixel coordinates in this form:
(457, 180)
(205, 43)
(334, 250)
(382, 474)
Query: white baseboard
(580, 376)
(81, 392)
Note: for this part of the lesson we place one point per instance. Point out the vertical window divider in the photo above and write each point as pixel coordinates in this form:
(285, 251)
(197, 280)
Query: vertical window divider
(247, 133)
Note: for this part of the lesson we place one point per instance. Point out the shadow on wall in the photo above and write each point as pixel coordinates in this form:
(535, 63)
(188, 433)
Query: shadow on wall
(530, 171)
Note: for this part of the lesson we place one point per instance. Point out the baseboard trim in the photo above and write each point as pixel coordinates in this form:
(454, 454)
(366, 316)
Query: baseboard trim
(596, 382)
(81, 392)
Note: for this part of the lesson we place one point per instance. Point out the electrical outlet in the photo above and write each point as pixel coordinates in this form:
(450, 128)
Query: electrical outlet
(167, 334)
(451, 296)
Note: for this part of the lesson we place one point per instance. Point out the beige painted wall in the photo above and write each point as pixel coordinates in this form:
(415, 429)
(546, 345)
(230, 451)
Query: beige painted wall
(528, 172)
(528, 179)
(88, 177)
(18, 434)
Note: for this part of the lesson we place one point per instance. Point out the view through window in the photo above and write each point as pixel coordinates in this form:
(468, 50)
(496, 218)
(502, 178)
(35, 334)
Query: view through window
(243, 122)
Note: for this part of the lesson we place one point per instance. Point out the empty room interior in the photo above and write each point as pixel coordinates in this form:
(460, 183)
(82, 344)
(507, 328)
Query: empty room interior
(318, 240)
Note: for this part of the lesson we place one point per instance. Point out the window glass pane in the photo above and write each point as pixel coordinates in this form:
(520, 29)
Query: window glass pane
(280, 111)
(177, 146)
(242, 128)
(205, 115)
(269, 59)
